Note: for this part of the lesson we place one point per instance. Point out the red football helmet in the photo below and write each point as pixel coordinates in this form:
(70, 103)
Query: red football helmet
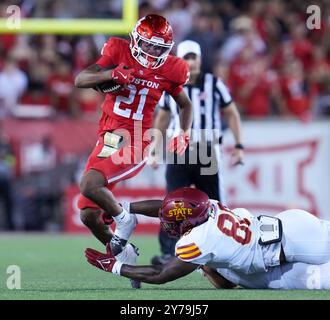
(184, 209)
(151, 41)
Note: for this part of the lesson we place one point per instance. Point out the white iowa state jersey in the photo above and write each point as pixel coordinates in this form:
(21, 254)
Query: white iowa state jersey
(227, 240)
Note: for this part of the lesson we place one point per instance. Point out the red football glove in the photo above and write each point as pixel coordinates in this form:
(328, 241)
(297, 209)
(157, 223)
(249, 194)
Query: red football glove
(122, 74)
(103, 261)
(179, 144)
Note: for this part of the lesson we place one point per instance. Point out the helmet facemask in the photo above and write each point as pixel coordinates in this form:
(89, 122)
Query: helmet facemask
(171, 228)
(139, 46)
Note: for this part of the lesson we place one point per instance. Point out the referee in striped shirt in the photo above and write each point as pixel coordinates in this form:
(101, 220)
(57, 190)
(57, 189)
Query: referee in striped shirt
(210, 98)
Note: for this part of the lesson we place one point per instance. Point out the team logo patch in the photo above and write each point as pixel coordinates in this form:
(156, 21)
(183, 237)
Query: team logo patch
(187, 252)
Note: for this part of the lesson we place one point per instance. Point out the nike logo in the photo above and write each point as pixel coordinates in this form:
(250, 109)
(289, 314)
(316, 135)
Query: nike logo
(104, 263)
(122, 75)
(159, 78)
(107, 261)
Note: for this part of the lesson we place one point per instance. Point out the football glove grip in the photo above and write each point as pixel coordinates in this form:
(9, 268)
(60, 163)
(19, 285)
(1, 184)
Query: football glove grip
(122, 74)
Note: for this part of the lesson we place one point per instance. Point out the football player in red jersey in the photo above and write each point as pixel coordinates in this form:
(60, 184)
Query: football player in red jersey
(144, 69)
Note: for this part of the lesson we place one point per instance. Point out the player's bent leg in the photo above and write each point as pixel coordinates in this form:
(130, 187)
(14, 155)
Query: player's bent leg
(103, 172)
(92, 219)
(93, 186)
(305, 237)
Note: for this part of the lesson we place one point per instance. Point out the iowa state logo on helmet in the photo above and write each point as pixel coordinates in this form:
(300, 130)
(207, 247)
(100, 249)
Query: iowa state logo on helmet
(179, 211)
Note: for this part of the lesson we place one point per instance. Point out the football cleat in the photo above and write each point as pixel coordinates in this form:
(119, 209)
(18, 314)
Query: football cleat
(129, 255)
(125, 229)
(117, 245)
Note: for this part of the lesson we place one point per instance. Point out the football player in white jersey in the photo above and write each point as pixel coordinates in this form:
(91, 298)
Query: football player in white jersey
(288, 276)
(221, 239)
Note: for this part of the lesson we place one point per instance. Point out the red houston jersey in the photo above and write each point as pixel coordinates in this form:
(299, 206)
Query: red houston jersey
(138, 101)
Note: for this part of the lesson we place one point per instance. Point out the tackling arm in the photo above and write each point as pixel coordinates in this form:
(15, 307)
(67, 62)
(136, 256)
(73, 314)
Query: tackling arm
(216, 279)
(173, 270)
(148, 208)
(107, 262)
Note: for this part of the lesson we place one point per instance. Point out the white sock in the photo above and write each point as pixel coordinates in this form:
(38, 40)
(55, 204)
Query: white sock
(122, 217)
(126, 206)
(124, 225)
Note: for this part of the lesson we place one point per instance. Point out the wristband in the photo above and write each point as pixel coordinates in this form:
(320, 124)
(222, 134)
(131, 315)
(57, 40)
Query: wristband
(116, 268)
(239, 146)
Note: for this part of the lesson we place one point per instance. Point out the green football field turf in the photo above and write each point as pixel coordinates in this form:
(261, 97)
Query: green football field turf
(54, 267)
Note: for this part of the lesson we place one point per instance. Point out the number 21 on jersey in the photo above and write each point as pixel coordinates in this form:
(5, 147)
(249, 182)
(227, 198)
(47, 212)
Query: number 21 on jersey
(236, 228)
(138, 115)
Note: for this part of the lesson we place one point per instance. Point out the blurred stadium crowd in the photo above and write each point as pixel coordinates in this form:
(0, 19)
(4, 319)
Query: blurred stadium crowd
(274, 65)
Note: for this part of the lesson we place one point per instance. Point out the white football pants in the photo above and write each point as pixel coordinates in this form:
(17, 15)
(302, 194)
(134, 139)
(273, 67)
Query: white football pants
(305, 237)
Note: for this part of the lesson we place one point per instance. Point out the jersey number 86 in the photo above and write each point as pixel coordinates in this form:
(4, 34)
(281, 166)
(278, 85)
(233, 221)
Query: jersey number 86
(232, 226)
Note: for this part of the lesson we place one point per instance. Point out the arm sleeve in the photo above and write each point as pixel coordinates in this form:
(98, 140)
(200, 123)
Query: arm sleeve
(225, 96)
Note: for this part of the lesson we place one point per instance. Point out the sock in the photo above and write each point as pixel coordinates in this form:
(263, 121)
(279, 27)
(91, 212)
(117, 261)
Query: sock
(123, 225)
(126, 206)
(122, 218)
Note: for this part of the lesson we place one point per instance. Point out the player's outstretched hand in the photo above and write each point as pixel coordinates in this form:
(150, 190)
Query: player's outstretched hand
(103, 261)
(179, 144)
(122, 74)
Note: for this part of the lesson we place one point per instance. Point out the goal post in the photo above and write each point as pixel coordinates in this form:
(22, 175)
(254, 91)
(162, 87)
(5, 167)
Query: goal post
(14, 24)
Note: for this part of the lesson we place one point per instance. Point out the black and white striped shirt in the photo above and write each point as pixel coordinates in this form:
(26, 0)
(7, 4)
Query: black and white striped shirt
(208, 95)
